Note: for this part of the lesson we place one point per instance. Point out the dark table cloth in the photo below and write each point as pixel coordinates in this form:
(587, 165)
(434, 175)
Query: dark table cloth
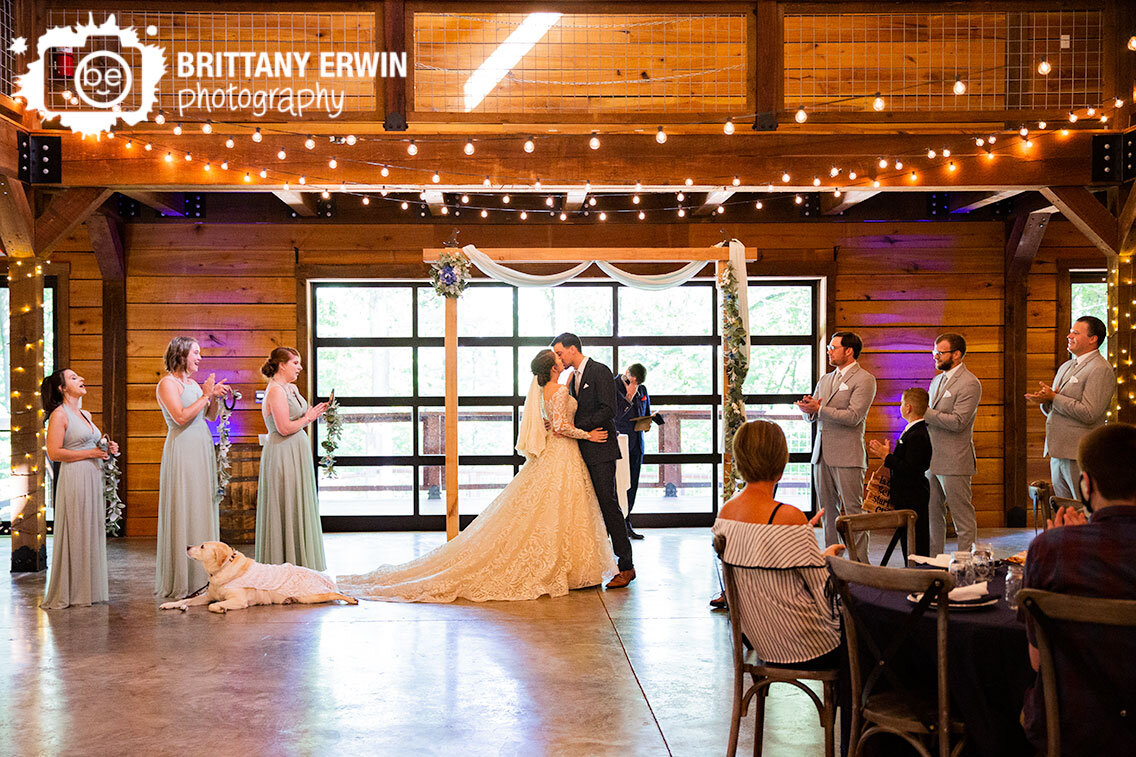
(988, 666)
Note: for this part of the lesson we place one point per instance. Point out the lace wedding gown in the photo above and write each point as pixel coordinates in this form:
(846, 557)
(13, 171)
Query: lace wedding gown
(542, 535)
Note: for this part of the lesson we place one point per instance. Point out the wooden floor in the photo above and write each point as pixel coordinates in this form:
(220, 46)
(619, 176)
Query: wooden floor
(641, 671)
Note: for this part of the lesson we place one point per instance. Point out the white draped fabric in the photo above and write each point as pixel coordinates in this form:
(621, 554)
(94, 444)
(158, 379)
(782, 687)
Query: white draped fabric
(495, 270)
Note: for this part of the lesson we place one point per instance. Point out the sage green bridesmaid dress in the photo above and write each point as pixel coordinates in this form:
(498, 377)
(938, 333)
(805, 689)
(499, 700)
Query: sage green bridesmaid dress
(287, 508)
(187, 510)
(78, 574)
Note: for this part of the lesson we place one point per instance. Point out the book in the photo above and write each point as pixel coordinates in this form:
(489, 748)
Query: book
(643, 422)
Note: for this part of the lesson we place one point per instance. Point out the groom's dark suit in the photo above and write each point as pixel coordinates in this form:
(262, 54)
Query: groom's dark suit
(596, 404)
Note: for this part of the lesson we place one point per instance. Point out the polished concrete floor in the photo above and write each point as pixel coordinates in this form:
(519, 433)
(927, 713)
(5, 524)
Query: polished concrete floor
(641, 671)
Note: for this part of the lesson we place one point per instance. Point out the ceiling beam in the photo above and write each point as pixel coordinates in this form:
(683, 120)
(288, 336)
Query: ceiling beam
(435, 201)
(1091, 218)
(302, 203)
(106, 241)
(574, 200)
(17, 225)
(971, 204)
(166, 203)
(831, 205)
(713, 200)
(1127, 225)
(64, 212)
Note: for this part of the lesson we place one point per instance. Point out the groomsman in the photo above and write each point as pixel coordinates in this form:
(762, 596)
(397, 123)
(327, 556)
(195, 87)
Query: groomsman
(955, 394)
(632, 401)
(1077, 402)
(839, 406)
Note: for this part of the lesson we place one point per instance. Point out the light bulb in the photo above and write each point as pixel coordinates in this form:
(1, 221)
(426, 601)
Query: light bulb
(1132, 43)
(160, 118)
(836, 192)
(682, 212)
(951, 166)
(878, 104)
(548, 201)
(351, 139)
(366, 200)
(129, 143)
(281, 155)
(1029, 143)
(188, 158)
(635, 199)
(931, 153)
(465, 199)
(1091, 111)
(638, 187)
(680, 197)
(876, 183)
(384, 172)
(248, 177)
(333, 163)
(642, 215)
(505, 199)
(728, 128)
(833, 172)
(177, 130)
(468, 149)
(757, 205)
(1041, 124)
(816, 181)
(660, 136)
(435, 178)
(529, 145)
(1072, 117)
(798, 199)
(912, 176)
(207, 166)
(1023, 131)
(303, 179)
(537, 185)
(256, 135)
(959, 87)
(263, 174)
(947, 151)
(485, 182)
(404, 205)
(1103, 118)
(689, 182)
(1118, 103)
(224, 165)
(801, 116)
(207, 127)
(149, 146)
(737, 181)
(411, 148)
(484, 213)
(524, 215)
(230, 143)
(310, 142)
(899, 165)
(721, 210)
(1043, 67)
(169, 157)
(594, 142)
(563, 216)
(603, 216)
(883, 163)
(852, 176)
(785, 178)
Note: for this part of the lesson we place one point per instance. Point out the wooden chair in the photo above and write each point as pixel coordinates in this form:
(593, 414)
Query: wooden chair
(1040, 491)
(746, 662)
(914, 713)
(1045, 607)
(901, 521)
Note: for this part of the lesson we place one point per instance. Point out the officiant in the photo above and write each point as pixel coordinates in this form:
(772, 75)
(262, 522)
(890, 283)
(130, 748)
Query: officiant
(633, 417)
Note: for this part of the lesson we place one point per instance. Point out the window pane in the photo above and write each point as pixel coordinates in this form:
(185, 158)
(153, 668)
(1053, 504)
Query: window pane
(344, 312)
(478, 485)
(796, 486)
(368, 490)
(780, 310)
(585, 311)
(432, 431)
(675, 488)
(1091, 299)
(484, 370)
(432, 371)
(672, 370)
(431, 313)
(486, 311)
(372, 431)
(432, 490)
(687, 429)
(798, 431)
(364, 371)
(485, 431)
(779, 369)
(685, 310)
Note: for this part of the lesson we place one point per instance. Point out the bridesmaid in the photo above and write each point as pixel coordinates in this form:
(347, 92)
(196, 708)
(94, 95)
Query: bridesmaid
(187, 510)
(287, 510)
(78, 560)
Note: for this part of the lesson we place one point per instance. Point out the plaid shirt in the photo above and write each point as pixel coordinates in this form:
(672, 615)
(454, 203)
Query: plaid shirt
(1096, 676)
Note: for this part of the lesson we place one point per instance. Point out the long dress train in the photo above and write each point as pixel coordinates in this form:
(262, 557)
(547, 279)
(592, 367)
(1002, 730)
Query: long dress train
(287, 509)
(542, 535)
(78, 574)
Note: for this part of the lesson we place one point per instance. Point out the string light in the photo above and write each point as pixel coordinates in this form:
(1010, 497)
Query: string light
(384, 172)
(1043, 67)
(149, 146)
(594, 142)
(505, 199)
(899, 165)
(1118, 103)
(465, 199)
(229, 143)
(680, 197)
(931, 154)
(603, 216)
(952, 167)
(1041, 124)
(1072, 117)
(484, 213)
(405, 205)
(411, 148)
(959, 87)
(529, 145)
(224, 165)
(524, 215)
(1023, 131)
(169, 157)
(310, 142)
(257, 136)
(635, 199)
(188, 158)
(883, 163)
(160, 118)
(758, 205)
(468, 149)
(682, 212)
(785, 177)
(281, 155)
(660, 136)
(737, 180)
(727, 128)
(207, 166)
(816, 181)
(537, 185)
(642, 215)
(207, 127)
(263, 174)
(1091, 112)
(435, 178)
(947, 150)
(177, 130)
(638, 187)
(563, 216)
(798, 199)
(247, 176)
(878, 104)
(801, 116)
(333, 163)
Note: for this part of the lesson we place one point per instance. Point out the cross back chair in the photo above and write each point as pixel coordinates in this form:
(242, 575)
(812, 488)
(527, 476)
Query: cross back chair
(901, 521)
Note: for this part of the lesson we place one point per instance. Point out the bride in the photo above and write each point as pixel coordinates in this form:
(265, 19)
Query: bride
(542, 535)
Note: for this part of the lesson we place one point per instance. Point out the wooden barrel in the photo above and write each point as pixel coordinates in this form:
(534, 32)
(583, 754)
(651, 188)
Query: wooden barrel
(238, 508)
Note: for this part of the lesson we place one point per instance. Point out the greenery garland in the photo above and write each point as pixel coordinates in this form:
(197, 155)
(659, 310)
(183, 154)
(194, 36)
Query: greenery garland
(737, 366)
(450, 274)
(331, 443)
(224, 467)
(111, 476)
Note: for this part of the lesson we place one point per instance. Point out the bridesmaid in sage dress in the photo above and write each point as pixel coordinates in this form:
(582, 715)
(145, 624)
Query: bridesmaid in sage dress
(187, 510)
(287, 510)
(78, 555)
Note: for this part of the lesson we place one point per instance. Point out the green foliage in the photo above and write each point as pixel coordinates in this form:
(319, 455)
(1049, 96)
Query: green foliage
(330, 444)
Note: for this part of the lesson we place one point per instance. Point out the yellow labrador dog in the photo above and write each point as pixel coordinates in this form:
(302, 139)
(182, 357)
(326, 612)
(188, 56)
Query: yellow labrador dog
(236, 581)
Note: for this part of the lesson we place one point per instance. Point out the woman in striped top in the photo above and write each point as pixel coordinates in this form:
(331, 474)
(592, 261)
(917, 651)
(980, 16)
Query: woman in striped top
(784, 614)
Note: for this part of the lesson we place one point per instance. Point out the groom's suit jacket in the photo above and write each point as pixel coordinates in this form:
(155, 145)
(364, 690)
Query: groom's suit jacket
(596, 405)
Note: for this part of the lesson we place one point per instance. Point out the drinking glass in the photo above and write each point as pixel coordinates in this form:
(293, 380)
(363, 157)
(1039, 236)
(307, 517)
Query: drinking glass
(962, 568)
(983, 562)
(1013, 585)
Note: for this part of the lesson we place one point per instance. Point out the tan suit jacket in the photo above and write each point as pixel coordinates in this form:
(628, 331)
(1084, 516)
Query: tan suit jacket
(843, 410)
(1084, 395)
(950, 422)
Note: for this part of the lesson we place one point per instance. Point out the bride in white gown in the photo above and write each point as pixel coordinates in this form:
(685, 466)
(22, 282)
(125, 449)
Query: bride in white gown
(542, 535)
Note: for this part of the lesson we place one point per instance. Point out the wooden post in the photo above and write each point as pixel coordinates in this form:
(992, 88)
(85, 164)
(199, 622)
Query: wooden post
(1122, 329)
(451, 345)
(25, 345)
(727, 453)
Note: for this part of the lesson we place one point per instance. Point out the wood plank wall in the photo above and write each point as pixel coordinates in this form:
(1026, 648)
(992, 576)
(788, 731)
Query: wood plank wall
(84, 319)
(235, 288)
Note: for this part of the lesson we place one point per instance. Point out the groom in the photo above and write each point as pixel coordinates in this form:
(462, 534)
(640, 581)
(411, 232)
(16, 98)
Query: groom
(593, 386)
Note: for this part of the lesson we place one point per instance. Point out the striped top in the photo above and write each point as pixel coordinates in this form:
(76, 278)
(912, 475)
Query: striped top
(780, 576)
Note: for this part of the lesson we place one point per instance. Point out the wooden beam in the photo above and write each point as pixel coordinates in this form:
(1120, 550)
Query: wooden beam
(969, 205)
(1091, 218)
(450, 344)
(435, 201)
(1126, 228)
(831, 205)
(166, 203)
(301, 203)
(114, 374)
(17, 226)
(394, 87)
(768, 68)
(1022, 245)
(106, 241)
(574, 200)
(612, 254)
(25, 344)
(713, 200)
(66, 210)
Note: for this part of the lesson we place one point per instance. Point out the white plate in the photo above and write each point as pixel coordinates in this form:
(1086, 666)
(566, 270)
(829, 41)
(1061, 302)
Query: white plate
(914, 599)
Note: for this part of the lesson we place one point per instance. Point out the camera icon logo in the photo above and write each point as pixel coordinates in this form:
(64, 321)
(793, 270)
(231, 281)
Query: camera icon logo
(91, 76)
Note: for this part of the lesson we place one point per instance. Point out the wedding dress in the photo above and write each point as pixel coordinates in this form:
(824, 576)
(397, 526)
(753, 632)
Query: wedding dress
(542, 535)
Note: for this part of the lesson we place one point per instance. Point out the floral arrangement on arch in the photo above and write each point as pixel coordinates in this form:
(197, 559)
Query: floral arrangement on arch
(450, 273)
(331, 443)
(111, 475)
(736, 366)
(224, 467)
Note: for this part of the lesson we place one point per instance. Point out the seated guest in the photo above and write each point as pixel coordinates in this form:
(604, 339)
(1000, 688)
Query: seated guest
(908, 464)
(1093, 559)
(784, 614)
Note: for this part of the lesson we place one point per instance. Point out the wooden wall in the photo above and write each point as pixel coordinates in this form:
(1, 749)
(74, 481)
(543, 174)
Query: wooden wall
(83, 321)
(235, 288)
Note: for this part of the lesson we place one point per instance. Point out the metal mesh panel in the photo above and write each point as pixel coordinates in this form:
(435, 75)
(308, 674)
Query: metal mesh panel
(839, 62)
(273, 33)
(7, 59)
(579, 63)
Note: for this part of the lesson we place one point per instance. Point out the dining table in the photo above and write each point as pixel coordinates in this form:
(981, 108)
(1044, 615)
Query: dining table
(987, 664)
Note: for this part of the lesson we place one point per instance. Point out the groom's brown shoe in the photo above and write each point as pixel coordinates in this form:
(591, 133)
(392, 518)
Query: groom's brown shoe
(622, 578)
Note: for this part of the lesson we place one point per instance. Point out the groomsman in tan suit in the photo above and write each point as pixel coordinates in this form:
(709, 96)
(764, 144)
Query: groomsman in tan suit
(955, 394)
(839, 407)
(1077, 402)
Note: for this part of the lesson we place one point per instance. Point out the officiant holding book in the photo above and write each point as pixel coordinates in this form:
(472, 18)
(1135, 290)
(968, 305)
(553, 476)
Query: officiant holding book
(633, 417)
